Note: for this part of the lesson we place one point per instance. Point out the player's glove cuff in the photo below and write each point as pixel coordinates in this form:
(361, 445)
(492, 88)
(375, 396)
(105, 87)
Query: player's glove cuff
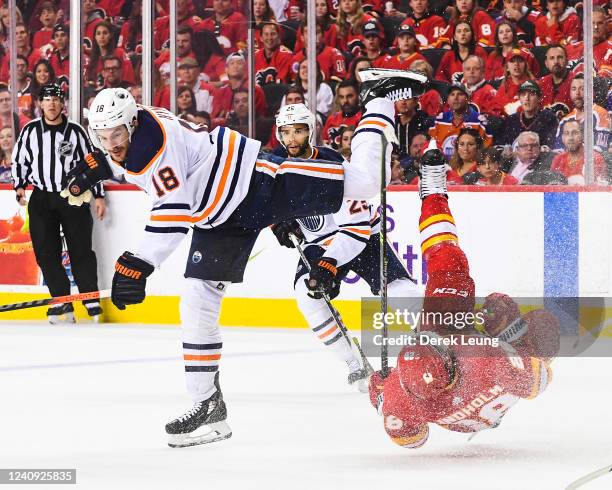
(94, 168)
(282, 232)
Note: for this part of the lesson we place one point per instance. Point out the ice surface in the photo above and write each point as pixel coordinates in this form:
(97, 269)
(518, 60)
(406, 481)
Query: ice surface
(96, 398)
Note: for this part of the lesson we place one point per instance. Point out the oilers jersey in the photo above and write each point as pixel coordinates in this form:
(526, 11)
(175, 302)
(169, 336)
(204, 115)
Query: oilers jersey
(193, 177)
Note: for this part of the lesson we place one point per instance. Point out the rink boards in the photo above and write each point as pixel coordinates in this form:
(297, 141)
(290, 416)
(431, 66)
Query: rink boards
(526, 244)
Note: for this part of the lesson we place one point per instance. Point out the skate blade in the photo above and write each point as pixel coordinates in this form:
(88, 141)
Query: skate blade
(202, 435)
(61, 319)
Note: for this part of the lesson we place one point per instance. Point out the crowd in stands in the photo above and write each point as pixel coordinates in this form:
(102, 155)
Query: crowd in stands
(505, 101)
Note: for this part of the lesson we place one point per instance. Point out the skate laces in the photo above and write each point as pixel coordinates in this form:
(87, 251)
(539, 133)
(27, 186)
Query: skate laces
(190, 413)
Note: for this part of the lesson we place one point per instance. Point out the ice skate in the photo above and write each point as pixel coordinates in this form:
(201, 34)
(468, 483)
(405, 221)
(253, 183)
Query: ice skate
(59, 314)
(433, 171)
(94, 310)
(391, 84)
(204, 423)
(359, 375)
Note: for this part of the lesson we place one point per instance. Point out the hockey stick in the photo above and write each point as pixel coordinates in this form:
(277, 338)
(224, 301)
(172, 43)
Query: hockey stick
(332, 309)
(587, 478)
(105, 293)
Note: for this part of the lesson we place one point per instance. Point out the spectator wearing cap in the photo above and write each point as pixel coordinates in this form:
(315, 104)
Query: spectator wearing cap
(407, 45)
(409, 120)
(347, 98)
(272, 60)
(330, 60)
(571, 162)
(483, 95)
(237, 77)
(601, 117)
(430, 101)
(522, 18)
(111, 71)
(489, 165)
(560, 24)
(60, 57)
(530, 117)
(228, 25)
(527, 156)
(189, 74)
(449, 124)
(506, 39)
(432, 31)
(450, 68)
(47, 14)
(602, 46)
(373, 42)
(556, 85)
(351, 20)
(517, 72)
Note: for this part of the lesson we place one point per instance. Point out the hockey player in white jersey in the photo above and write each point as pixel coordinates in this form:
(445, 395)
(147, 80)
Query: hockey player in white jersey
(218, 184)
(334, 244)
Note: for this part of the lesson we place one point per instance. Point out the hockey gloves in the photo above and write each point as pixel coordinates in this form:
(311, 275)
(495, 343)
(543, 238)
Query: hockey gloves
(322, 279)
(93, 169)
(130, 280)
(283, 230)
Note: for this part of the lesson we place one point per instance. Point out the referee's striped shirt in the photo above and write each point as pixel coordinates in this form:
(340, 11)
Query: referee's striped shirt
(38, 159)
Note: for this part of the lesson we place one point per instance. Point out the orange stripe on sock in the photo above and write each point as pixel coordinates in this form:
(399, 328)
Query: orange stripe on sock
(328, 332)
(209, 357)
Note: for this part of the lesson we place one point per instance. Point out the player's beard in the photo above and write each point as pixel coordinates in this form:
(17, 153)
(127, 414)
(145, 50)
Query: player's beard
(303, 151)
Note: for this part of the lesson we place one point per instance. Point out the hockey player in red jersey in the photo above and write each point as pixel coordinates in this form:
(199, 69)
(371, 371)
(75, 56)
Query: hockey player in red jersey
(470, 386)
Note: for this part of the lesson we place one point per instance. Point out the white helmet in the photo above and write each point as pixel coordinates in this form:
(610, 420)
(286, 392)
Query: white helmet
(295, 114)
(112, 107)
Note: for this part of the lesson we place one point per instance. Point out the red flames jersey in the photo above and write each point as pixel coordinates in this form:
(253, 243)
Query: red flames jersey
(602, 56)
(488, 381)
(450, 67)
(331, 130)
(567, 31)
(431, 31)
(231, 32)
(277, 69)
(484, 100)
(552, 94)
(331, 61)
(394, 61)
(483, 26)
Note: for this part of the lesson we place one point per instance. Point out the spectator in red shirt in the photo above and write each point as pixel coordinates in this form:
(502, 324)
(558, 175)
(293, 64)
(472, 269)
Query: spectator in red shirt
(407, 44)
(373, 42)
(489, 168)
(329, 28)
(210, 56)
(482, 24)
(602, 46)
(517, 72)
(450, 68)
(505, 41)
(463, 160)
(184, 16)
(347, 98)
(47, 15)
(571, 162)
(130, 37)
(104, 44)
(522, 18)
(262, 12)
(22, 43)
(430, 101)
(556, 86)
(236, 78)
(111, 71)
(330, 60)
(92, 16)
(560, 25)
(60, 57)
(351, 20)
(483, 97)
(273, 60)
(184, 49)
(228, 25)
(431, 30)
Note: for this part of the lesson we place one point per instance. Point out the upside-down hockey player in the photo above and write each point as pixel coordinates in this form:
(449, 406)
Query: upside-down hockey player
(334, 244)
(464, 388)
(218, 184)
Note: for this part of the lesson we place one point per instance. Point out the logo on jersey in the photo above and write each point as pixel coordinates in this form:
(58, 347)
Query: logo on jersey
(448, 146)
(196, 257)
(313, 223)
(65, 148)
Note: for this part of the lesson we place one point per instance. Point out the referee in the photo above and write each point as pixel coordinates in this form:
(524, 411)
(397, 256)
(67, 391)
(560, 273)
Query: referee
(47, 148)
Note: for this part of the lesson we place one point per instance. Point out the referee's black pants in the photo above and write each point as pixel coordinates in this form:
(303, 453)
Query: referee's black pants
(47, 211)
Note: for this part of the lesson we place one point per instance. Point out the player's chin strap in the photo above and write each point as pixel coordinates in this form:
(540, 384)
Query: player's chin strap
(336, 316)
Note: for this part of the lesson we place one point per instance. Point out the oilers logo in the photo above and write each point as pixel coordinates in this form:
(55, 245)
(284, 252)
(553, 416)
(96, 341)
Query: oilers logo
(313, 223)
(196, 257)
(448, 146)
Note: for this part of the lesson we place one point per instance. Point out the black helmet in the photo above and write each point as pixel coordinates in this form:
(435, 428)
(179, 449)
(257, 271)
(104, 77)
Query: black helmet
(51, 90)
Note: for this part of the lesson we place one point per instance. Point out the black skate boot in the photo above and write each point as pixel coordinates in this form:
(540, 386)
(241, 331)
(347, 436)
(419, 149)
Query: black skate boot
(432, 172)
(94, 310)
(203, 424)
(58, 314)
(391, 84)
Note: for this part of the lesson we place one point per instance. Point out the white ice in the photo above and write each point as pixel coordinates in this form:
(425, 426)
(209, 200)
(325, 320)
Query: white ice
(96, 398)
